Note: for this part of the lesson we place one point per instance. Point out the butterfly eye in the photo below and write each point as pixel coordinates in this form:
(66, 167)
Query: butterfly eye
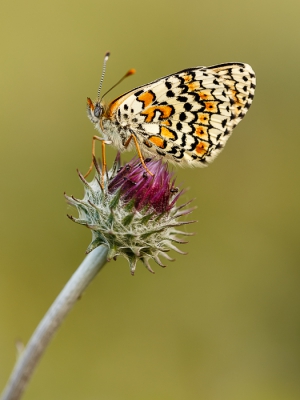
(97, 110)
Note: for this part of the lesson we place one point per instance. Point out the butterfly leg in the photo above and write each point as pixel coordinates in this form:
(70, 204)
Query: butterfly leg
(126, 144)
(103, 142)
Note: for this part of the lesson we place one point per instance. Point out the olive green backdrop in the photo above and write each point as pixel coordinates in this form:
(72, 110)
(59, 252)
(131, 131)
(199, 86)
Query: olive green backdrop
(221, 323)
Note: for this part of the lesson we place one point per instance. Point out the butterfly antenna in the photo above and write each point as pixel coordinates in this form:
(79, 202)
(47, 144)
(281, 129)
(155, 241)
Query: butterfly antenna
(103, 73)
(128, 73)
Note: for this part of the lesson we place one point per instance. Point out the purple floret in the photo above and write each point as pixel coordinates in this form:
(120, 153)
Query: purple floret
(157, 191)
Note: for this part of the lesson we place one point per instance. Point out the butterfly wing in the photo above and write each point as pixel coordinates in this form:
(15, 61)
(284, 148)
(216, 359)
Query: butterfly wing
(187, 116)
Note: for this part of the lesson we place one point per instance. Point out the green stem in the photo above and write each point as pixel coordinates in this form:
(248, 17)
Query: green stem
(36, 346)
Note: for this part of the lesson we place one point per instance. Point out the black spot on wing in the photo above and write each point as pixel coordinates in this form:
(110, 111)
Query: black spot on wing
(179, 126)
(187, 106)
(182, 99)
(224, 122)
(182, 116)
(170, 93)
(137, 94)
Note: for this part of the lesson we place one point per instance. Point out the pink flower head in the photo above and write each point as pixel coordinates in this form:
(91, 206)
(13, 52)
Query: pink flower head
(146, 191)
(133, 213)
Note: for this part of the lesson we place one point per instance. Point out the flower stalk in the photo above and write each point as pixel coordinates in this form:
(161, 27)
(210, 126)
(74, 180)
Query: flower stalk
(43, 334)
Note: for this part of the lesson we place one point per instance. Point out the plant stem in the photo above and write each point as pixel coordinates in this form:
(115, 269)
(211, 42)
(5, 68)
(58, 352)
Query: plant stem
(36, 346)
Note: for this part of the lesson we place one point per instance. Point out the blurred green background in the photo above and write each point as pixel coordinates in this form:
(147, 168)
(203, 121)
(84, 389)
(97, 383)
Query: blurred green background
(222, 322)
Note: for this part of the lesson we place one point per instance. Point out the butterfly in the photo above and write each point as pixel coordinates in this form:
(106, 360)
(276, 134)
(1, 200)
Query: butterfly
(185, 118)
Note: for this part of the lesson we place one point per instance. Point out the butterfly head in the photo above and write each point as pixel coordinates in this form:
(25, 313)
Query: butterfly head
(94, 110)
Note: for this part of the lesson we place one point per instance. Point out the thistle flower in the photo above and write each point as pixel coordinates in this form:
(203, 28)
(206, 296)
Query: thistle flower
(134, 214)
